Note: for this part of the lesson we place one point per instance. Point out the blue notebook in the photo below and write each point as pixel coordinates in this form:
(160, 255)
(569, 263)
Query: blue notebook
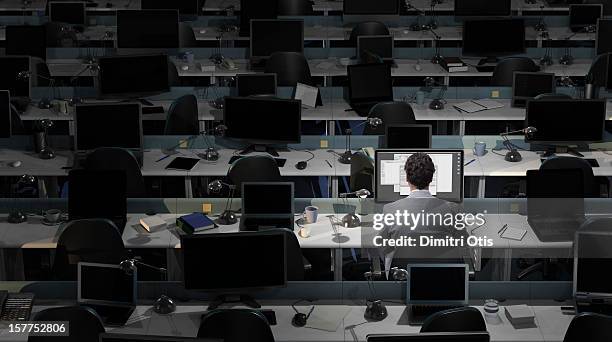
(196, 222)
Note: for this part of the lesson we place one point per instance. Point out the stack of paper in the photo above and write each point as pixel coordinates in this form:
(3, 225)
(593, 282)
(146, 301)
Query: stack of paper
(521, 316)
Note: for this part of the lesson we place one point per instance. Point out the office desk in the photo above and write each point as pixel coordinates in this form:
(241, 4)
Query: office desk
(17, 5)
(90, 33)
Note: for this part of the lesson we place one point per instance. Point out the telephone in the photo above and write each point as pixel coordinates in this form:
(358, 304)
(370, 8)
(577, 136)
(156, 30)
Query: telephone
(15, 306)
(228, 64)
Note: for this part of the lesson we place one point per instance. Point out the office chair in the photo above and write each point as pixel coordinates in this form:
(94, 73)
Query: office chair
(552, 96)
(187, 37)
(88, 240)
(590, 327)
(297, 265)
(503, 74)
(295, 7)
(236, 325)
(173, 76)
(391, 113)
(593, 187)
(290, 68)
(41, 74)
(455, 320)
(85, 324)
(597, 71)
(17, 127)
(368, 28)
(115, 158)
(182, 118)
(60, 35)
(362, 173)
(253, 169)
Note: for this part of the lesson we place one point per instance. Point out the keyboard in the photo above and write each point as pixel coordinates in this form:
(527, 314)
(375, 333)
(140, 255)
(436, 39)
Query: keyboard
(279, 161)
(419, 313)
(152, 110)
(16, 306)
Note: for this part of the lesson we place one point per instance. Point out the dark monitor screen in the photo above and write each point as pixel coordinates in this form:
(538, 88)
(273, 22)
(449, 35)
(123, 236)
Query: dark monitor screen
(67, 12)
(566, 120)
(262, 9)
(432, 337)
(107, 125)
(5, 114)
(184, 7)
(119, 337)
(607, 6)
(263, 120)
(381, 46)
(592, 256)
(527, 85)
(482, 38)
(609, 73)
(369, 7)
(437, 283)
(109, 187)
(545, 183)
(261, 254)
(105, 283)
(28, 40)
(484, 8)
(14, 75)
(256, 84)
(278, 195)
(604, 32)
(147, 29)
(584, 15)
(369, 83)
(133, 76)
(270, 36)
(408, 136)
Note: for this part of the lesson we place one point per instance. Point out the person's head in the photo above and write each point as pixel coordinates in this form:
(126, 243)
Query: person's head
(419, 170)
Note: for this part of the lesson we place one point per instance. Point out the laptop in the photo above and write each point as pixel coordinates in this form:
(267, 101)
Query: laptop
(369, 84)
(276, 211)
(376, 49)
(435, 287)
(108, 290)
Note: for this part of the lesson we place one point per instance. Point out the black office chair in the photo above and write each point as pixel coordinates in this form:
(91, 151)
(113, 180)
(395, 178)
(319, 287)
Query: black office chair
(182, 116)
(17, 127)
(368, 28)
(87, 240)
(590, 327)
(553, 96)
(362, 173)
(503, 74)
(455, 320)
(297, 265)
(40, 72)
(84, 324)
(295, 7)
(187, 38)
(597, 72)
(236, 325)
(391, 113)
(253, 169)
(115, 158)
(592, 187)
(290, 68)
(173, 76)
(60, 35)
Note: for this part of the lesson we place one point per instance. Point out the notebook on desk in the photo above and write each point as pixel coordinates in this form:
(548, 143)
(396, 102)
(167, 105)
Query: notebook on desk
(475, 106)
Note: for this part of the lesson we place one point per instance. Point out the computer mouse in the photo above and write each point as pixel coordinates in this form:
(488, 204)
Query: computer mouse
(299, 320)
(202, 31)
(406, 31)
(301, 165)
(184, 67)
(164, 305)
(16, 163)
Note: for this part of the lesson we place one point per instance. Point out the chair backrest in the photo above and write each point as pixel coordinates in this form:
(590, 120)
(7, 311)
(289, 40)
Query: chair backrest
(173, 76)
(455, 320)
(295, 7)
(590, 327)
(597, 73)
(87, 240)
(182, 118)
(115, 158)
(236, 325)
(552, 96)
(362, 173)
(503, 75)
(41, 74)
(187, 37)
(253, 169)
(295, 259)
(290, 68)
(17, 127)
(391, 113)
(565, 162)
(85, 324)
(368, 28)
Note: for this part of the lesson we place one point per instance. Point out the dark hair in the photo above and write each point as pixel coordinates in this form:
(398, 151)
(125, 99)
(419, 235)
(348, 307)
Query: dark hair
(419, 170)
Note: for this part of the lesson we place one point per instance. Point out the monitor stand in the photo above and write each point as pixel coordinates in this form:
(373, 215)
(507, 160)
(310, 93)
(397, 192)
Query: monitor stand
(245, 299)
(260, 148)
(551, 151)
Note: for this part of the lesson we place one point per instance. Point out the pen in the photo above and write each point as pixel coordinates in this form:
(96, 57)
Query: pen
(502, 229)
(328, 163)
(162, 158)
(349, 110)
(470, 162)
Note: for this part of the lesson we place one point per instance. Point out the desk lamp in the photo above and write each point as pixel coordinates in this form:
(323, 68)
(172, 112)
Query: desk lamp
(375, 308)
(16, 215)
(567, 58)
(44, 103)
(431, 84)
(351, 220)
(163, 304)
(437, 57)
(41, 142)
(211, 153)
(541, 25)
(227, 217)
(513, 154)
(347, 155)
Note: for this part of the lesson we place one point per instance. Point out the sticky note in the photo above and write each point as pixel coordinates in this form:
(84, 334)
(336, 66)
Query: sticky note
(206, 208)
(514, 207)
(183, 143)
(495, 93)
(324, 144)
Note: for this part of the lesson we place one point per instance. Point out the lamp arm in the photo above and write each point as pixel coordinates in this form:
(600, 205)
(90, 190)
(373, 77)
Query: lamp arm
(159, 269)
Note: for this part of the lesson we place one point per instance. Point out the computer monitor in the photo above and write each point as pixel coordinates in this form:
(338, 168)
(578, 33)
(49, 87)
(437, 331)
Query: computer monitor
(109, 187)
(5, 114)
(107, 125)
(133, 76)
(354, 11)
(262, 255)
(249, 10)
(407, 136)
(105, 284)
(527, 85)
(609, 74)
(391, 182)
(607, 6)
(437, 284)
(482, 38)
(256, 84)
(119, 337)
(147, 29)
(381, 46)
(584, 17)
(483, 8)
(263, 121)
(26, 40)
(369, 83)
(271, 35)
(69, 12)
(278, 195)
(15, 75)
(184, 7)
(431, 337)
(565, 121)
(603, 43)
(592, 256)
